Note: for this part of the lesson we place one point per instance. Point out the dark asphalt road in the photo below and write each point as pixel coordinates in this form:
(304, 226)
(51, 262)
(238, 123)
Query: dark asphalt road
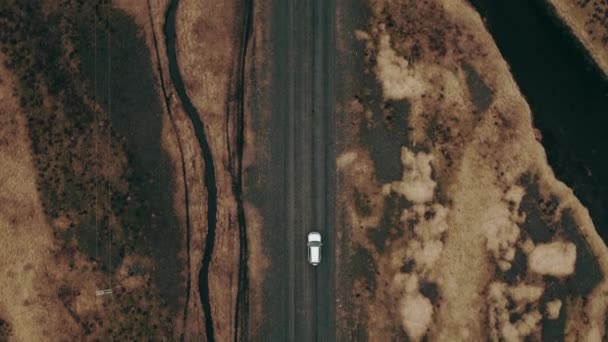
(300, 297)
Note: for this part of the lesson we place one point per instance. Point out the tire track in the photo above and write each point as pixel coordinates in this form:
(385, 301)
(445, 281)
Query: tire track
(241, 330)
(208, 172)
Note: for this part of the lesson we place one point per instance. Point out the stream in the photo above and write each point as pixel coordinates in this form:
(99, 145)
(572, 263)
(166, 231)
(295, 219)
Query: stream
(209, 172)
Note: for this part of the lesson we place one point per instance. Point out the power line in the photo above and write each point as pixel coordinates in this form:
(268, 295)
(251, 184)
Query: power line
(96, 135)
(109, 143)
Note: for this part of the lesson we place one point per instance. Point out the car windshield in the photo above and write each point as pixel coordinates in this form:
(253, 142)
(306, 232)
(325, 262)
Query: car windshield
(314, 243)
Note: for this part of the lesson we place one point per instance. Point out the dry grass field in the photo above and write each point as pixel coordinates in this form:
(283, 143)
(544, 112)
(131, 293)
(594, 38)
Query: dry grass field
(467, 235)
(125, 205)
(451, 226)
(90, 207)
(26, 240)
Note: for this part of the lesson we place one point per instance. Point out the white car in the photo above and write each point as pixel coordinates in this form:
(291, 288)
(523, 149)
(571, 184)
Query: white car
(314, 248)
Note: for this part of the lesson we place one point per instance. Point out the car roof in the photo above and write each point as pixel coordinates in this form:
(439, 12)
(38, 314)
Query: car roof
(314, 236)
(315, 255)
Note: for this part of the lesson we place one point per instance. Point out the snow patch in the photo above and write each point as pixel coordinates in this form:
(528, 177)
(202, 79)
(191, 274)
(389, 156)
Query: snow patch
(397, 77)
(528, 323)
(554, 258)
(501, 234)
(425, 248)
(416, 184)
(425, 253)
(405, 283)
(553, 308)
(416, 315)
(345, 159)
(525, 293)
(501, 298)
(436, 225)
(362, 35)
(515, 195)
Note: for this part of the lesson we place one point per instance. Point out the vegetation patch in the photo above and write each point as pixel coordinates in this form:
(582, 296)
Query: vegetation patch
(5, 330)
(87, 89)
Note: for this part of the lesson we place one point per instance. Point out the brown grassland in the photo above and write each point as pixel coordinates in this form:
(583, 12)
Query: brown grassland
(455, 226)
(62, 166)
(71, 183)
(451, 224)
